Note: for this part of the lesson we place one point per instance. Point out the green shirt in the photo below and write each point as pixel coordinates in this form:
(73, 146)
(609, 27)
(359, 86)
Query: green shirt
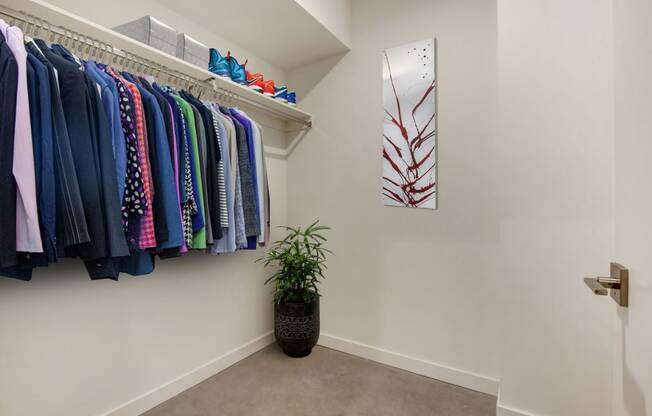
(199, 238)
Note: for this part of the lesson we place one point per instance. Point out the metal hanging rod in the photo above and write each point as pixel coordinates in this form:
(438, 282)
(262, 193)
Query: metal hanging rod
(90, 48)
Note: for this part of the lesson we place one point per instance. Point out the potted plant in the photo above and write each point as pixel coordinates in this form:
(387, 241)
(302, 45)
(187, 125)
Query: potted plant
(299, 261)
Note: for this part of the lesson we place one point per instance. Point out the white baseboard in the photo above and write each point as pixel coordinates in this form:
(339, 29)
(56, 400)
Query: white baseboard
(502, 410)
(158, 395)
(508, 411)
(467, 379)
(441, 372)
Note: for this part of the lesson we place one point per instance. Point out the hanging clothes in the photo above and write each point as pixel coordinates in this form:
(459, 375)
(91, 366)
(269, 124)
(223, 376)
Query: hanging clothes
(168, 228)
(238, 210)
(175, 137)
(194, 170)
(9, 85)
(111, 103)
(116, 169)
(246, 178)
(191, 216)
(71, 227)
(134, 201)
(117, 245)
(43, 147)
(104, 162)
(261, 185)
(253, 235)
(76, 106)
(147, 235)
(28, 234)
(216, 203)
(204, 189)
(108, 266)
(227, 243)
(151, 126)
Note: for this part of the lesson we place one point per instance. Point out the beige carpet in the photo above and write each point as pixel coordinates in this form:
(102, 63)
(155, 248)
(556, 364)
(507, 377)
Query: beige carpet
(327, 383)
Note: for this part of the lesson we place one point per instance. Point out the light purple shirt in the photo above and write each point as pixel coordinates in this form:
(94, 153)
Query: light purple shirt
(28, 234)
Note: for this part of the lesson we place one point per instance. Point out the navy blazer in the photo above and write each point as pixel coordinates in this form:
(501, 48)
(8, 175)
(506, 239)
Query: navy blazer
(76, 106)
(8, 86)
(71, 227)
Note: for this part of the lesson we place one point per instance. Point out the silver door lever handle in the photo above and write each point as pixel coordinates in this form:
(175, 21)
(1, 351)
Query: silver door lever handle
(617, 284)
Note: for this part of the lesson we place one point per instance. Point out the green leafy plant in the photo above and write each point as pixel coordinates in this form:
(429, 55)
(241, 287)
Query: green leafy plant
(300, 261)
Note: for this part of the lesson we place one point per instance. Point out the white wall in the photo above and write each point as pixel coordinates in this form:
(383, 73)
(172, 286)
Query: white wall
(554, 160)
(335, 15)
(414, 282)
(633, 204)
(491, 283)
(74, 347)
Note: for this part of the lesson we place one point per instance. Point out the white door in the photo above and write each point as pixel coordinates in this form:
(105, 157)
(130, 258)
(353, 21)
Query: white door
(632, 380)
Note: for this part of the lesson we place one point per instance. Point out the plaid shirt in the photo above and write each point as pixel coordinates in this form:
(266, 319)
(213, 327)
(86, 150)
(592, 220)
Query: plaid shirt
(147, 235)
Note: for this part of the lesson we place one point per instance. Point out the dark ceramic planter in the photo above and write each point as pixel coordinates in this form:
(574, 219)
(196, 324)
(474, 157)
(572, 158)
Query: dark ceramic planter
(296, 326)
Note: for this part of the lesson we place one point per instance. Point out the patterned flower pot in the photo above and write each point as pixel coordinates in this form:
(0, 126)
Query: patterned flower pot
(296, 326)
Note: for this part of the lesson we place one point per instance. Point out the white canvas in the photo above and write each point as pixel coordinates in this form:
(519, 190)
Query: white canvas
(410, 126)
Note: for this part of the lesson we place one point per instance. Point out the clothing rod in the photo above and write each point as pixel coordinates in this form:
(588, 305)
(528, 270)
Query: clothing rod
(32, 26)
(37, 27)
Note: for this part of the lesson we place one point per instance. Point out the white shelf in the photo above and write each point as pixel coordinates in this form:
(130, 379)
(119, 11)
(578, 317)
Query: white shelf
(63, 18)
(291, 113)
(282, 32)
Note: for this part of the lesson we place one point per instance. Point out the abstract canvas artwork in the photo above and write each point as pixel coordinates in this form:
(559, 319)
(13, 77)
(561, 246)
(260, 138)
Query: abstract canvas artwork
(410, 126)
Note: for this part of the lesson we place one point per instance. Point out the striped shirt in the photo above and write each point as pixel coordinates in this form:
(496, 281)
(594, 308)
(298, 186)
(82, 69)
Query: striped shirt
(221, 186)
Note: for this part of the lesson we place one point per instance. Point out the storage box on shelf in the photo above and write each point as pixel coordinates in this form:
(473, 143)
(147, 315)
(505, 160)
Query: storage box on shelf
(191, 50)
(242, 95)
(152, 32)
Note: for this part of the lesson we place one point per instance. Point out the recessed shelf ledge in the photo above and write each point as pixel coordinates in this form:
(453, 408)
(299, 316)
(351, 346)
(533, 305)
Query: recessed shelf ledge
(239, 94)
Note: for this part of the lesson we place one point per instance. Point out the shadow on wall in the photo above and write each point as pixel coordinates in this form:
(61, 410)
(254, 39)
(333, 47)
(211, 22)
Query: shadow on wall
(304, 80)
(323, 169)
(633, 394)
(307, 77)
